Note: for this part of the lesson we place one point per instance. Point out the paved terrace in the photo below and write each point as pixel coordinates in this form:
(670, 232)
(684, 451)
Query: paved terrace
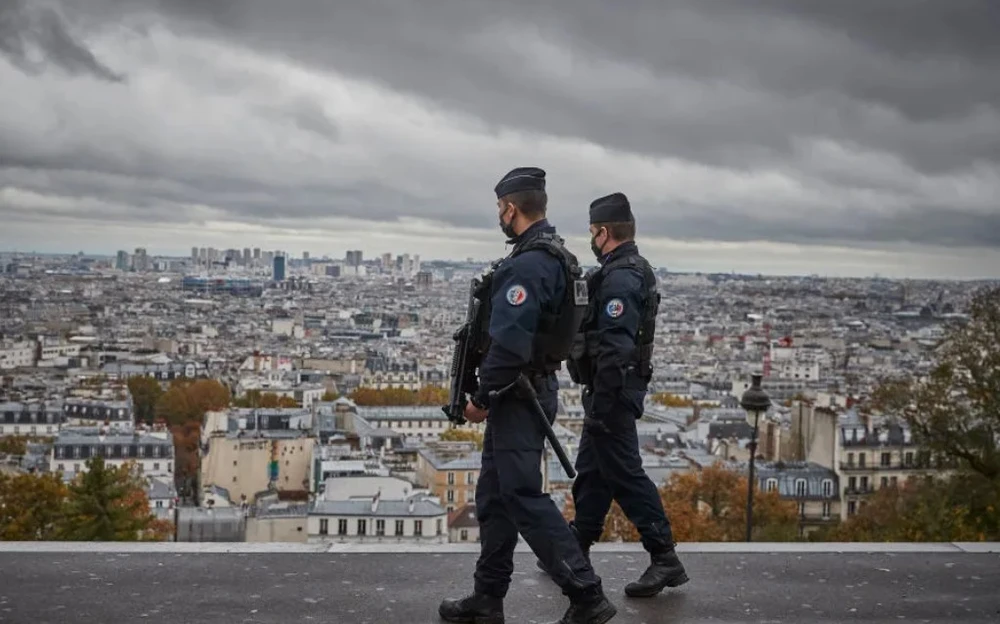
(201, 583)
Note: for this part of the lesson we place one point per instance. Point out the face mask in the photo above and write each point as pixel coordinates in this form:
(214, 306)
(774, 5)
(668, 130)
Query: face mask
(594, 248)
(507, 228)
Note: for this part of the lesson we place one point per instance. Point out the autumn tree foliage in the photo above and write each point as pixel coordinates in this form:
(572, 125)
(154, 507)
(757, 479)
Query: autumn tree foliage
(183, 407)
(671, 400)
(31, 506)
(104, 504)
(919, 511)
(462, 435)
(710, 506)
(427, 396)
(256, 398)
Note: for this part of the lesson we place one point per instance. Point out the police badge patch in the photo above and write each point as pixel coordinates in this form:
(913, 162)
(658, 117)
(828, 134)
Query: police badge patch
(615, 308)
(517, 295)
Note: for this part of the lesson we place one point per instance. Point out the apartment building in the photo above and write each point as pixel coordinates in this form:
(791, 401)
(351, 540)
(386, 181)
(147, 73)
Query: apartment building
(30, 419)
(422, 423)
(450, 470)
(813, 488)
(153, 455)
(877, 455)
(17, 355)
(79, 411)
(249, 463)
(414, 520)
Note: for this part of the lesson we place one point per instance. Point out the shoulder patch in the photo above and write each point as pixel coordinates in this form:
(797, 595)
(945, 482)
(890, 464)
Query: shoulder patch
(615, 308)
(517, 295)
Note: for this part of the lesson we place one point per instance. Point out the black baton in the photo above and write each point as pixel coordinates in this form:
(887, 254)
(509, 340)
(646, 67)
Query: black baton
(525, 385)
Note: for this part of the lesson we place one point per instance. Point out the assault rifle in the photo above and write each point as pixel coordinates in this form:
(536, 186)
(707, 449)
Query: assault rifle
(467, 355)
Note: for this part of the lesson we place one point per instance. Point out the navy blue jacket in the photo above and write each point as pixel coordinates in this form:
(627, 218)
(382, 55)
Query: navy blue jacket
(619, 303)
(523, 286)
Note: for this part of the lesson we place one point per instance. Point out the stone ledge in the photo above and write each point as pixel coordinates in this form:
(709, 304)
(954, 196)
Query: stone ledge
(374, 548)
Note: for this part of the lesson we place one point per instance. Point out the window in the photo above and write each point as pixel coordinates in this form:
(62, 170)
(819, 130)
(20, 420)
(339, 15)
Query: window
(451, 478)
(324, 526)
(885, 459)
(827, 488)
(342, 526)
(440, 526)
(156, 466)
(826, 511)
(802, 510)
(362, 527)
(851, 508)
(852, 483)
(864, 484)
(861, 460)
(470, 478)
(399, 527)
(463, 535)
(450, 496)
(801, 487)
(380, 527)
(850, 459)
(884, 482)
(908, 458)
(771, 485)
(418, 527)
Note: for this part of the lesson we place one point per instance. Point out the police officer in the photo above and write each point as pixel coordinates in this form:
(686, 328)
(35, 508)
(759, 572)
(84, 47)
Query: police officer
(614, 368)
(530, 299)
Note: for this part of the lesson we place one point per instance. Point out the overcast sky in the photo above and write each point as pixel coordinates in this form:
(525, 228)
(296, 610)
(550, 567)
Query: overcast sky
(833, 138)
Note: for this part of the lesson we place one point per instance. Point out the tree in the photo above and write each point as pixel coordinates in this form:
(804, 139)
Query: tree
(432, 395)
(106, 503)
(187, 457)
(955, 410)
(919, 511)
(710, 506)
(463, 435)
(330, 395)
(31, 506)
(188, 400)
(13, 445)
(145, 392)
(672, 400)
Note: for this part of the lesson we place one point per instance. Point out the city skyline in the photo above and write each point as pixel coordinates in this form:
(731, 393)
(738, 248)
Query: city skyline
(831, 141)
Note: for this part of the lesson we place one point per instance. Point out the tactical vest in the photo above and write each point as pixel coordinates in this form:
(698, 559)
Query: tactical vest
(557, 328)
(583, 359)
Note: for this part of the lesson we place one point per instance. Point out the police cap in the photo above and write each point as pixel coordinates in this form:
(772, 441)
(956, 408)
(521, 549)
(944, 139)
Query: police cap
(521, 179)
(613, 208)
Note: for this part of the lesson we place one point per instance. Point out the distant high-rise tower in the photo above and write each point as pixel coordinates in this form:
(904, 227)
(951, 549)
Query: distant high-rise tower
(305, 256)
(194, 255)
(121, 262)
(256, 253)
(279, 268)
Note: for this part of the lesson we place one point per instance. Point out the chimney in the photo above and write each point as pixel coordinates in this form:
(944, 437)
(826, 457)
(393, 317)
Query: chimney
(413, 504)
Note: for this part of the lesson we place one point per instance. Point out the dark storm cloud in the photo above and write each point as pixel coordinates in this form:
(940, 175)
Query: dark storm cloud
(910, 91)
(25, 27)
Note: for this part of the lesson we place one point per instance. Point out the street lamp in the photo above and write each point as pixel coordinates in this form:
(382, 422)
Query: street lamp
(755, 401)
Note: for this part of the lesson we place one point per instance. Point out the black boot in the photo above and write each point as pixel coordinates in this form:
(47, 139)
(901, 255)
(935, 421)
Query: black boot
(593, 612)
(473, 609)
(665, 570)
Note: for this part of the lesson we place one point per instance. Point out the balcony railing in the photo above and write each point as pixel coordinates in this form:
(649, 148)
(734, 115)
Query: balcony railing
(890, 466)
(859, 490)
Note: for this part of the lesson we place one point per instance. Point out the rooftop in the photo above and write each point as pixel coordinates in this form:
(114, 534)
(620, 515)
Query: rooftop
(278, 583)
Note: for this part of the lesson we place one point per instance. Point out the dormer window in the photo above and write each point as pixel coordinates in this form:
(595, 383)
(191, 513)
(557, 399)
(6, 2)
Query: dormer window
(771, 485)
(801, 487)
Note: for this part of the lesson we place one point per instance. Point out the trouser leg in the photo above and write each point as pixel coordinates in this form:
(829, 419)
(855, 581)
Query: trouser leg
(592, 495)
(498, 533)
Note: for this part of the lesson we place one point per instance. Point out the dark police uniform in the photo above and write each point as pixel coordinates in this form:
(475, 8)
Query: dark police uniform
(615, 369)
(528, 290)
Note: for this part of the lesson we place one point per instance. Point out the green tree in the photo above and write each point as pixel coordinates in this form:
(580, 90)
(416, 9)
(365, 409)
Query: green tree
(145, 392)
(106, 503)
(955, 410)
